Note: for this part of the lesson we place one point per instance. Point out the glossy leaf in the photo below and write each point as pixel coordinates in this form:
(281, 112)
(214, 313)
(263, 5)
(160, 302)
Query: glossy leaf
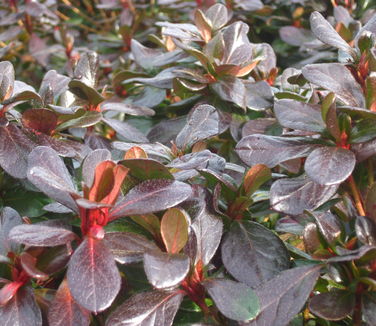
(284, 296)
(21, 310)
(271, 150)
(333, 305)
(253, 254)
(208, 229)
(330, 165)
(165, 270)
(328, 224)
(234, 300)
(298, 115)
(151, 196)
(174, 230)
(148, 308)
(128, 247)
(327, 34)
(41, 235)
(64, 311)
(203, 123)
(293, 196)
(92, 275)
(370, 202)
(48, 173)
(82, 119)
(338, 79)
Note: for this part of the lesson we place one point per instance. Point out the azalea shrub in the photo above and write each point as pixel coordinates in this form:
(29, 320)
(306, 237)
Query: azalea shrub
(178, 162)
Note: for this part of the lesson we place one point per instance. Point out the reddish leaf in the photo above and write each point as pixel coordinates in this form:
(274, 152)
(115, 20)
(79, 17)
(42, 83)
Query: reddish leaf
(91, 162)
(41, 120)
(21, 310)
(103, 181)
(151, 196)
(64, 311)
(92, 275)
(28, 263)
(135, 152)
(174, 230)
(8, 291)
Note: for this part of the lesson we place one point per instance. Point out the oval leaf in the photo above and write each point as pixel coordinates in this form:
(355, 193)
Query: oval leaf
(174, 230)
(293, 196)
(333, 305)
(330, 165)
(271, 150)
(234, 300)
(92, 275)
(165, 270)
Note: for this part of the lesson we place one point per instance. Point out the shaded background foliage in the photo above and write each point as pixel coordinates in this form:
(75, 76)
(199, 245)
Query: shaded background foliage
(176, 162)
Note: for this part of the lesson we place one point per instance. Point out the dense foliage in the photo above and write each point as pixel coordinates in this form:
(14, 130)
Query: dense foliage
(174, 162)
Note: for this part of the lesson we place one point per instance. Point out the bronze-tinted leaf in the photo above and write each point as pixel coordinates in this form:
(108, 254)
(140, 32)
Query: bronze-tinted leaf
(174, 230)
(41, 120)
